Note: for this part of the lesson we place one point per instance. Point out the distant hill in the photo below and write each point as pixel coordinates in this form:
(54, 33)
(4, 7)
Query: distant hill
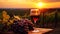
(23, 11)
(16, 11)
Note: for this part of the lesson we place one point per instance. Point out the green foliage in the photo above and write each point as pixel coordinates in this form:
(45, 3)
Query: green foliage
(1, 16)
(58, 16)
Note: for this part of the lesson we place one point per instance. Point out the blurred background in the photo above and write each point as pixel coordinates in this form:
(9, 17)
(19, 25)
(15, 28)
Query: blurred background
(49, 18)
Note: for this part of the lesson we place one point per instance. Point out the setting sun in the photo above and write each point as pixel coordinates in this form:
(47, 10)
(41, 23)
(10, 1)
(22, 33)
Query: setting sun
(40, 5)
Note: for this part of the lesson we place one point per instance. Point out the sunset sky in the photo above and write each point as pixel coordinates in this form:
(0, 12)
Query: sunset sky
(29, 3)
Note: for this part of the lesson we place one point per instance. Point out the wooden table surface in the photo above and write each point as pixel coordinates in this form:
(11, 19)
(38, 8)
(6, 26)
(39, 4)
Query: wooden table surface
(41, 31)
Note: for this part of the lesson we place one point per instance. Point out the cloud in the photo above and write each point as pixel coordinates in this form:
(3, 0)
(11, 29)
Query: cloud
(30, 0)
(28, 3)
(50, 0)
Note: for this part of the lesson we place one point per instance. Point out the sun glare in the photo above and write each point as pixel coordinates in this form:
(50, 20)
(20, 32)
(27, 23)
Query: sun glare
(40, 5)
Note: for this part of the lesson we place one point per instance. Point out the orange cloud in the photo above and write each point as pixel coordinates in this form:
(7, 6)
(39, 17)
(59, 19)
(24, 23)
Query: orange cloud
(26, 4)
